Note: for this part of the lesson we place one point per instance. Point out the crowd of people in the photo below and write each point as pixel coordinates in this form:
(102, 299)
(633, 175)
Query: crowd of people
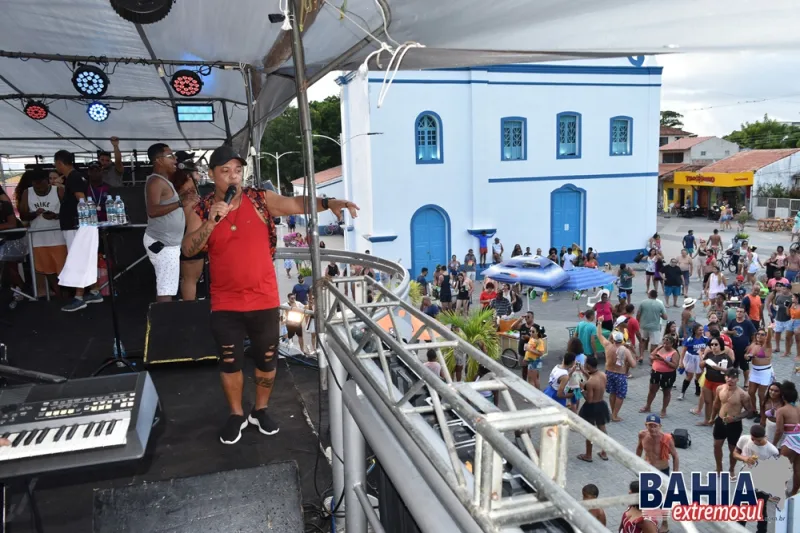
(722, 347)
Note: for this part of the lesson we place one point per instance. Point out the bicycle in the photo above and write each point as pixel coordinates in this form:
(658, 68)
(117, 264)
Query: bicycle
(725, 261)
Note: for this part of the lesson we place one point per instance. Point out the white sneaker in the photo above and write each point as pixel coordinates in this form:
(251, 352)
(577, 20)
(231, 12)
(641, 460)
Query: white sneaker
(680, 397)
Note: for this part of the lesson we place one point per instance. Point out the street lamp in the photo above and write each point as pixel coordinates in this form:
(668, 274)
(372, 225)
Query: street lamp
(339, 141)
(277, 158)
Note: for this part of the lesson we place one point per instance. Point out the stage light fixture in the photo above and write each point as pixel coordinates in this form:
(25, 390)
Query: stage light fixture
(36, 110)
(142, 11)
(97, 111)
(90, 80)
(187, 83)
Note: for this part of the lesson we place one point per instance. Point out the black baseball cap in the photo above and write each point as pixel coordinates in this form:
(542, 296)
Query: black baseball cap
(223, 154)
(181, 156)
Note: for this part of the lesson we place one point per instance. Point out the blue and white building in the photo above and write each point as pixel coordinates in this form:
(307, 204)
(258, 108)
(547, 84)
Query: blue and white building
(539, 154)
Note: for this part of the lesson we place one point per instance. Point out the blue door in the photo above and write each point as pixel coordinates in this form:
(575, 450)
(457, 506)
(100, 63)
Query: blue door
(428, 239)
(566, 222)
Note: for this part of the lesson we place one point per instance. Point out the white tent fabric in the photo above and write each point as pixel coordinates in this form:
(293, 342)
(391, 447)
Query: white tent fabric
(455, 33)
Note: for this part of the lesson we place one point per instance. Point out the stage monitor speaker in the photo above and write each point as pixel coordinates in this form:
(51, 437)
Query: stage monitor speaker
(179, 332)
(253, 500)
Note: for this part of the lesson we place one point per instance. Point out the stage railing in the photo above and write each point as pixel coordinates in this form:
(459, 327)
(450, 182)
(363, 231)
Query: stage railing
(472, 497)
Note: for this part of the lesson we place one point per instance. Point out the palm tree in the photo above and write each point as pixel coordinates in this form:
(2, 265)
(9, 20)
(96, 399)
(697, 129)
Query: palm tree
(476, 328)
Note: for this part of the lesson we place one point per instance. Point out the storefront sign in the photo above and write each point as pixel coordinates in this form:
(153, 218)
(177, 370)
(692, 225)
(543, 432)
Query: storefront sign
(714, 179)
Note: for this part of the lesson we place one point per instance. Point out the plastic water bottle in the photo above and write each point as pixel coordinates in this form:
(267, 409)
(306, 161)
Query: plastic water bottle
(91, 210)
(110, 215)
(119, 210)
(83, 214)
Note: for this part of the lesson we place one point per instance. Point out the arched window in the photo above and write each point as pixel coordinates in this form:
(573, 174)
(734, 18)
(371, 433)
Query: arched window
(428, 138)
(621, 136)
(568, 135)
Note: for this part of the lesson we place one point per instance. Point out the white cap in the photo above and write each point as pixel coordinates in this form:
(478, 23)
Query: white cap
(617, 336)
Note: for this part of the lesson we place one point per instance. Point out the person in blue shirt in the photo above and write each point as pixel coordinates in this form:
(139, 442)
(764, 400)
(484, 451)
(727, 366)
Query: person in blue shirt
(483, 247)
(737, 290)
(301, 291)
(688, 242)
(422, 279)
(291, 222)
(429, 308)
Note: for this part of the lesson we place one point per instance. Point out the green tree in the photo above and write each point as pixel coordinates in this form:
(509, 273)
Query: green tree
(671, 119)
(476, 328)
(283, 135)
(764, 134)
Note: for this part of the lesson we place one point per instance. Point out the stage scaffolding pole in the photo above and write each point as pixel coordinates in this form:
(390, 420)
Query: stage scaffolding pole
(334, 365)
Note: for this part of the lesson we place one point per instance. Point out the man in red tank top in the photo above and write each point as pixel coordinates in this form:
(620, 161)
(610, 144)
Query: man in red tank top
(241, 241)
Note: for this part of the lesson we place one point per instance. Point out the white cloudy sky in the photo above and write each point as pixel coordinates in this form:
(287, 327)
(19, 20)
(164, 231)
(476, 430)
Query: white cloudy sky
(714, 92)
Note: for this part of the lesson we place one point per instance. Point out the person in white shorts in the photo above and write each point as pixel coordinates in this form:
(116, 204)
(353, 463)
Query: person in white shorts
(165, 222)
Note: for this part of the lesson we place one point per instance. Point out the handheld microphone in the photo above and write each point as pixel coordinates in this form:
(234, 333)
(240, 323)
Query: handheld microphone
(229, 194)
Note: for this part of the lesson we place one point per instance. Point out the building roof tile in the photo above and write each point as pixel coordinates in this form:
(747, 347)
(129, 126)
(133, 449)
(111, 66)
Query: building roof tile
(321, 177)
(751, 160)
(684, 144)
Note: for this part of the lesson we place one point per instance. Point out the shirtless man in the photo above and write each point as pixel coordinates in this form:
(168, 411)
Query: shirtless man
(619, 360)
(792, 264)
(658, 447)
(731, 406)
(595, 409)
(715, 242)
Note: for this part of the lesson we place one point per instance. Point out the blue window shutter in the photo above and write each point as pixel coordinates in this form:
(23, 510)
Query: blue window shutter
(513, 139)
(621, 140)
(568, 135)
(428, 138)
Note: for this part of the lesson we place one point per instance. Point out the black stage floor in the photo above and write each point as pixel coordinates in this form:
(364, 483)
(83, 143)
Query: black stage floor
(41, 337)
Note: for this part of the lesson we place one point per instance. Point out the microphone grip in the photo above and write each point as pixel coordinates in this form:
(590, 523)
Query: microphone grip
(229, 194)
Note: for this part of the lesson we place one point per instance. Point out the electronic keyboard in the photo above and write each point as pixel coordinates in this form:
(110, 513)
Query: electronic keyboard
(78, 423)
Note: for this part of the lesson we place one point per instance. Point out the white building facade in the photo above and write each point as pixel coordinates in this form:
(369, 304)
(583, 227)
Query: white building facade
(540, 155)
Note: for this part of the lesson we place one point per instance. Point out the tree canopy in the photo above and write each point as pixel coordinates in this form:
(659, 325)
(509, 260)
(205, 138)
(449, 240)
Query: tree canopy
(764, 134)
(671, 119)
(283, 135)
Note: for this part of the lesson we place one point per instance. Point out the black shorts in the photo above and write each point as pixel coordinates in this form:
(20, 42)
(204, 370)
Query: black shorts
(597, 413)
(730, 432)
(739, 361)
(665, 380)
(705, 277)
(231, 327)
(294, 331)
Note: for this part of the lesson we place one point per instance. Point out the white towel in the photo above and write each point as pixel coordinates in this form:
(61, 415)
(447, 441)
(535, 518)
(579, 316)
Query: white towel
(80, 270)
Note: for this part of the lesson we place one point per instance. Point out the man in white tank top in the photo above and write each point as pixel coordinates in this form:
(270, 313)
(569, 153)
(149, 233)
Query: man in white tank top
(40, 205)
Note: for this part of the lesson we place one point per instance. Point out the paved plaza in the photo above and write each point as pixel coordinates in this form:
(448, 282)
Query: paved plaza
(561, 312)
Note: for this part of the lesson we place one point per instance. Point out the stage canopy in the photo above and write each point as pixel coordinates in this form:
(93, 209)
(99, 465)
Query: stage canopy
(229, 41)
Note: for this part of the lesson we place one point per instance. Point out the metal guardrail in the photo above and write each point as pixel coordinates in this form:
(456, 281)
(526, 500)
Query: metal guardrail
(478, 492)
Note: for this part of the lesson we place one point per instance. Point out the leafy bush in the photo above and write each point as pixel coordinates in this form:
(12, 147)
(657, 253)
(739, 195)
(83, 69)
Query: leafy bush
(304, 271)
(415, 293)
(772, 190)
(477, 327)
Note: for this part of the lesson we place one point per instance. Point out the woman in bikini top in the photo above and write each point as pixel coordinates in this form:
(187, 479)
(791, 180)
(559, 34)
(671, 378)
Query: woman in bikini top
(760, 351)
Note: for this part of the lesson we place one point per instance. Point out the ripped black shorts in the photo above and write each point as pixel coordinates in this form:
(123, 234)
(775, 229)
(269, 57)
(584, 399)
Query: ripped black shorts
(230, 329)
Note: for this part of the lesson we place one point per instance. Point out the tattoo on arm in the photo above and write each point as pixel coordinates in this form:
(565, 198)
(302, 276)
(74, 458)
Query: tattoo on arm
(267, 383)
(197, 240)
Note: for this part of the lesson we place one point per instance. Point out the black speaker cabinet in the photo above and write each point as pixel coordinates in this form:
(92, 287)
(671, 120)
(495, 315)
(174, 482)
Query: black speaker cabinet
(179, 332)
